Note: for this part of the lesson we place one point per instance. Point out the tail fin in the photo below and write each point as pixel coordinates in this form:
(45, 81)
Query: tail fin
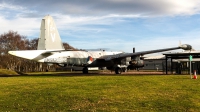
(49, 37)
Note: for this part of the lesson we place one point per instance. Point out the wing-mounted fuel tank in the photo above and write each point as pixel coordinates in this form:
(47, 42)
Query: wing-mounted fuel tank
(186, 46)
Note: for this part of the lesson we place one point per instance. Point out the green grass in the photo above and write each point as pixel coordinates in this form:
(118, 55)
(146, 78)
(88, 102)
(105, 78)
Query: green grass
(7, 72)
(100, 93)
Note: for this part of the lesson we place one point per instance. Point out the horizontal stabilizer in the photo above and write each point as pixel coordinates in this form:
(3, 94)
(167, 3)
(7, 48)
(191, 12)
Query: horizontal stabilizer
(34, 54)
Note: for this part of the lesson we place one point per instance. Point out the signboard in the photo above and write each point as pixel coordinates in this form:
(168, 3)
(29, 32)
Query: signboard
(190, 57)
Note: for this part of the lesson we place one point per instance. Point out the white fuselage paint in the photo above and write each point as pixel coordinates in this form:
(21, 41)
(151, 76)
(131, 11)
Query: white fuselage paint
(75, 57)
(62, 57)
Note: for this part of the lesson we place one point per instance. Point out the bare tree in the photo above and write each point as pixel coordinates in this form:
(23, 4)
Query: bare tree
(67, 46)
(13, 41)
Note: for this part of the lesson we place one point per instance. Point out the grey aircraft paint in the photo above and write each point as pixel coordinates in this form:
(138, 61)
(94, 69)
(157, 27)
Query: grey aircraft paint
(49, 37)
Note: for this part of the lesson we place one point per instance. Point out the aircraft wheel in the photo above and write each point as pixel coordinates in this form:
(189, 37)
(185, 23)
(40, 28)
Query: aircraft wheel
(118, 70)
(85, 70)
(124, 69)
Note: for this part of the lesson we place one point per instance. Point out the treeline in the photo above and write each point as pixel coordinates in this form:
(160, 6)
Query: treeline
(10, 41)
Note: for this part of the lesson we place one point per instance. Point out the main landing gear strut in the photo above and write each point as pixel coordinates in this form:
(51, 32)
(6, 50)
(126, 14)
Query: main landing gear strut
(118, 70)
(85, 70)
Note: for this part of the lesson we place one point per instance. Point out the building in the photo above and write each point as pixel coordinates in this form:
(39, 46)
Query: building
(174, 63)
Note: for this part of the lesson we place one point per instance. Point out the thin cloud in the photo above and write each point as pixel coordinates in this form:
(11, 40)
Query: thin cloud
(114, 22)
(24, 26)
(149, 8)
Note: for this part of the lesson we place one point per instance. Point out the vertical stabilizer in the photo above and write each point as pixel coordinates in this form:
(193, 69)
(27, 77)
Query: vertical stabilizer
(49, 37)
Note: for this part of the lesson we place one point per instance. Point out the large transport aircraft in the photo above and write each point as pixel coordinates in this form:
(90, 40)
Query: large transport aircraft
(51, 51)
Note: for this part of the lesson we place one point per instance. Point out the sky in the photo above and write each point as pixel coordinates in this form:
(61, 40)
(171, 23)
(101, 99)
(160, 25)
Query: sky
(117, 25)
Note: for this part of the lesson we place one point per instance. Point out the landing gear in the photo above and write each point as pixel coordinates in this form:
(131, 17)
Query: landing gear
(118, 70)
(124, 69)
(85, 70)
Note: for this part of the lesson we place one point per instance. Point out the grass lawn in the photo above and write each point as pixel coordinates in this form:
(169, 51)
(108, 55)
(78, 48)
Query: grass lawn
(6, 72)
(100, 93)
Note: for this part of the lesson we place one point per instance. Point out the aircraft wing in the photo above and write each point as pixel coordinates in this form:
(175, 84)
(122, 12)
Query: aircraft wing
(48, 53)
(123, 55)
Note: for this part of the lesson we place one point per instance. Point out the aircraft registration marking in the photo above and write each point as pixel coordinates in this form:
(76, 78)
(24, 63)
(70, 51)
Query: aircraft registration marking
(52, 30)
(53, 36)
(57, 60)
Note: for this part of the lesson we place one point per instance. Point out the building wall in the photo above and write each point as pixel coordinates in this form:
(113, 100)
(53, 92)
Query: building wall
(177, 67)
(153, 64)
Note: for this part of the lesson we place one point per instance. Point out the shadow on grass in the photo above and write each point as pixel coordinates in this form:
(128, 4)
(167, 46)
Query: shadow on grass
(75, 74)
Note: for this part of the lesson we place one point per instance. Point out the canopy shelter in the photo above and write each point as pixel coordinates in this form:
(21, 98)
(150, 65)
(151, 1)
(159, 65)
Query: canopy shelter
(182, 57)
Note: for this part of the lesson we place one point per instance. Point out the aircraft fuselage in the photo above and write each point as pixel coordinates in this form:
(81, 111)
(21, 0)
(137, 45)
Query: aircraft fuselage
(80, 58)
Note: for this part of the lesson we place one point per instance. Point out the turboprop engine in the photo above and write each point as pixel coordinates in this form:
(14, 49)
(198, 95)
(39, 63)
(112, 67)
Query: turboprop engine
(137, 61)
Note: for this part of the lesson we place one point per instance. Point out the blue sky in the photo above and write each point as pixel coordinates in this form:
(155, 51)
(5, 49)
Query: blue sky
(114, 24)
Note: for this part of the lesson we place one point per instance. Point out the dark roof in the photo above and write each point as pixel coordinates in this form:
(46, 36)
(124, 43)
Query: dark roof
(178, 55)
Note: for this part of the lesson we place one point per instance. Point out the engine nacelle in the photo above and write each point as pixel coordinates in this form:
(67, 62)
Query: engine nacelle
(137, 63)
